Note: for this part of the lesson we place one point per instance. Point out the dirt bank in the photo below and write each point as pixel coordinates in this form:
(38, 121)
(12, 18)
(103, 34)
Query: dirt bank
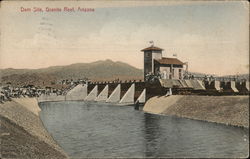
(23, 134)
(230, 110)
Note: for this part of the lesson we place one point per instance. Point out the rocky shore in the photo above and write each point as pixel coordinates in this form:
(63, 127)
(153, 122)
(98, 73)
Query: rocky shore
(229, 110)
(23, 134)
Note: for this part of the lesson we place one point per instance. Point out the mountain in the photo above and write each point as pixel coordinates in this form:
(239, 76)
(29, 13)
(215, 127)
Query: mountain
(96, 71)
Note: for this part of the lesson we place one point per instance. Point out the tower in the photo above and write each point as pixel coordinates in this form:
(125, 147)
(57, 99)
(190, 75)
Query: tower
(150, 54)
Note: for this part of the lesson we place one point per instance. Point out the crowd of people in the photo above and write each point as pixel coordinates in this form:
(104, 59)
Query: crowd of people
(190, 76)
(8, 92)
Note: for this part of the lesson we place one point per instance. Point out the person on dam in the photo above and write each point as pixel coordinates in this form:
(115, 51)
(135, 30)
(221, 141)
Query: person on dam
(2, 97)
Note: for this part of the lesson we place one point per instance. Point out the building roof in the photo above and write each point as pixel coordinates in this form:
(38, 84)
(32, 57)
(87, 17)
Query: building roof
(152, 48)
(170, 61)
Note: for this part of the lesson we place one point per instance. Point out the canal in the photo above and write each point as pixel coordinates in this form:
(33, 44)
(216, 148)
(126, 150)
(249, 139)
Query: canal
(97, 130)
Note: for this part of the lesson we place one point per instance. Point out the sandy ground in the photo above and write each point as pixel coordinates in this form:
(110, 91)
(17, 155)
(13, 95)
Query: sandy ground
(21, 123)
(230, 110)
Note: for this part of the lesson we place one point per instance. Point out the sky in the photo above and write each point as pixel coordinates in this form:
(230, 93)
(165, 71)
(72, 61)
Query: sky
(212, 36)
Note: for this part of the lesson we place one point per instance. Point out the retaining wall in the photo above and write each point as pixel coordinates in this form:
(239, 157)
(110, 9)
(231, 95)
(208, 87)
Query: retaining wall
(51, 98)
(23, 134)
(231, 110)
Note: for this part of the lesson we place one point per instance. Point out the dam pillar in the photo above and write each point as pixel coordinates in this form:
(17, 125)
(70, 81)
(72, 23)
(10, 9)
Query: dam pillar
(92, 95)
(217, 85)
(103, 96)
(229, 87)
(188, 83)
(202, 85)
(129, 95)
(243, 87)
(233, 86)
(197, 85)
(139, 86)
(214, 85)
(183, 84)
(246, 84)
(77, 93)
(142, 97)
(115, 95)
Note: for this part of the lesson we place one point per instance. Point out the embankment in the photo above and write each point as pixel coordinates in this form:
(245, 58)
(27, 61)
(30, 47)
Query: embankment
(23, 134)
(230, 110)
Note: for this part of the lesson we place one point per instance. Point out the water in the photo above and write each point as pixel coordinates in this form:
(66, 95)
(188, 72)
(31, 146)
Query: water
(97, 130)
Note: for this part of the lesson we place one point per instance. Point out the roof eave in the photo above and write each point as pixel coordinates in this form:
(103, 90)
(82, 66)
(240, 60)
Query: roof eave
(181, 63)
(153, 49)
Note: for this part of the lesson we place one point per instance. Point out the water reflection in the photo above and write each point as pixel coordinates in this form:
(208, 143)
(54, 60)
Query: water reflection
(189, 138)
(96, 130)
(152, 134)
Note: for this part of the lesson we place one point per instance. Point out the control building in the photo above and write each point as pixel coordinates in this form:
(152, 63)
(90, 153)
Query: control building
(166, 68)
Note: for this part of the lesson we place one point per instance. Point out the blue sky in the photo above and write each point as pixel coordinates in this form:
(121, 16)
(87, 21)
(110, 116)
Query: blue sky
(209, 35)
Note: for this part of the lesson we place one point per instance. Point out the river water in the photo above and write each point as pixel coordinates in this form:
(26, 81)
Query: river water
(98, 130)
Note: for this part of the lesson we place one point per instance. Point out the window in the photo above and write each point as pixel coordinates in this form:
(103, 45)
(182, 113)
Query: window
(180, 73)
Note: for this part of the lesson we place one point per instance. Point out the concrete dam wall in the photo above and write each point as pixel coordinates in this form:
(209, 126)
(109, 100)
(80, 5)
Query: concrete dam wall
(130, 92)
(116, 93)
(230, 110)
(23, 134)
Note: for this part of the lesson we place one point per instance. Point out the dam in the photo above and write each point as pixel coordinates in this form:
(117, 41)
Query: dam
(162, 75)
(130, 92)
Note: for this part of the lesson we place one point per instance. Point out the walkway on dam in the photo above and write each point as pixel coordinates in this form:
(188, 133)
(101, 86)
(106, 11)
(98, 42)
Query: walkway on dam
(128, 93)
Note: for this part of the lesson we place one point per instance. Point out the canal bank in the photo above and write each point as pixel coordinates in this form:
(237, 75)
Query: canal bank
(229, 110)
(22, 132)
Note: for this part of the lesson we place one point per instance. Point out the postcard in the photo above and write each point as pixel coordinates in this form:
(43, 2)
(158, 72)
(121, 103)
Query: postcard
(127, 79)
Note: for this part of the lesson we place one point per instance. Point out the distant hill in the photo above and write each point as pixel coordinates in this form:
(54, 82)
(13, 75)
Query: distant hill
(96, 71)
